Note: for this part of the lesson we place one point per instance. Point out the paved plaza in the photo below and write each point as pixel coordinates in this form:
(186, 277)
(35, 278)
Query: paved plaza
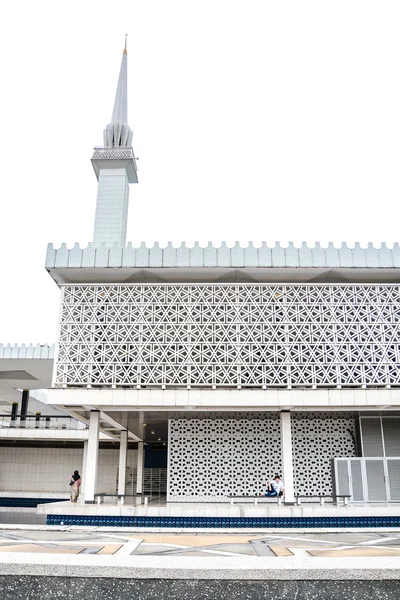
(94, 541)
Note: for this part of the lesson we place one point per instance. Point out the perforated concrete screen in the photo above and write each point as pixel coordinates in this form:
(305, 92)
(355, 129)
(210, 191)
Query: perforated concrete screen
(210, 459)
(317, 438)
(229, 335)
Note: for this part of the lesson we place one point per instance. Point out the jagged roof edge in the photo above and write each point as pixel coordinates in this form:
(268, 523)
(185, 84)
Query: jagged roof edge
(237, 256)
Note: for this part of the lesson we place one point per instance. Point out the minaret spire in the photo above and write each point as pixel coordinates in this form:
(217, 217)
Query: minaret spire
(115, 168)
(117, 134)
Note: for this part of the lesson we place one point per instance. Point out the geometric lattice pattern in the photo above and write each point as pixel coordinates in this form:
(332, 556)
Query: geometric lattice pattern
(228, 335)
(211, 459)
(317, 438)
(214, 458)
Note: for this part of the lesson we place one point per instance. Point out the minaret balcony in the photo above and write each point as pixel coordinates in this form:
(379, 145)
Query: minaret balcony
(115, 158)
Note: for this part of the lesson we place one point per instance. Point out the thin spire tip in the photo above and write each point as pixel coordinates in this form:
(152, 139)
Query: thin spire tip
(126, 42)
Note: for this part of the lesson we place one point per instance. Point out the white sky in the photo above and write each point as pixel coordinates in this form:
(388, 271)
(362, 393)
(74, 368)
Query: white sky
(253, 120)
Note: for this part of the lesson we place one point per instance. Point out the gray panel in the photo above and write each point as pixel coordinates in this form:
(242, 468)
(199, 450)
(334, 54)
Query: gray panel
(372, 436)
(343, 483)
(356, 480)
(393, 467)
(376, 480)
(391, 434)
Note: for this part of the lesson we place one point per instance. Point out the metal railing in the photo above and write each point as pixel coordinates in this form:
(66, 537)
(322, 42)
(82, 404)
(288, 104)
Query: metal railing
(40, 422)
(154, 481)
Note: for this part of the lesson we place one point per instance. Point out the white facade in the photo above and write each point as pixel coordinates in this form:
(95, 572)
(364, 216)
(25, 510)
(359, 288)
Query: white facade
(212, 459)
(229, 335)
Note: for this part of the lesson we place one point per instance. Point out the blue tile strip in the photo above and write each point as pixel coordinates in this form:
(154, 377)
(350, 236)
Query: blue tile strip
(15, 502)
(223, 522)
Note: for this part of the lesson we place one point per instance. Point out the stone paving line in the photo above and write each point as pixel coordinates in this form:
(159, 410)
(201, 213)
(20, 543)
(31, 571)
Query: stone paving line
(310, 545)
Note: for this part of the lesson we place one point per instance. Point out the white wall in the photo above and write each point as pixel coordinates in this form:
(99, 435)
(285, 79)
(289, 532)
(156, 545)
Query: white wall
(41, 470)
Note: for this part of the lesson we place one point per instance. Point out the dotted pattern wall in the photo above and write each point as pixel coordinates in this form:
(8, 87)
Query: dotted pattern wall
(212, 459)
(229, 335)
(317, 438)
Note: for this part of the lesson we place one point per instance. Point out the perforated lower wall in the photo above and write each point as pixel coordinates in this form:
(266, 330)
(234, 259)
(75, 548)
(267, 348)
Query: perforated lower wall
(216, 458)
(213, 459)
(317, 438)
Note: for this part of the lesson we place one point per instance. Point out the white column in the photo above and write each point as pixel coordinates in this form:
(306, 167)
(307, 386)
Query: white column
(140, 465)
(287, 456)
(83, 470)
(92, 457)
(123, 448)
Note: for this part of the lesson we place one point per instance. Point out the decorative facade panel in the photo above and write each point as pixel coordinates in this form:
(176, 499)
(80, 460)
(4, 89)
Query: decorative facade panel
(229, 335)
(316, 439)
(213, 459)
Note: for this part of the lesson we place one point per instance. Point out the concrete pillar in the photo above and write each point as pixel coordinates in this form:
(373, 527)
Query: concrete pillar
(92, 457)
(83, 469)
(140, 466)
(14, 414)
(123, 448)
(24, 405)
(287, 456)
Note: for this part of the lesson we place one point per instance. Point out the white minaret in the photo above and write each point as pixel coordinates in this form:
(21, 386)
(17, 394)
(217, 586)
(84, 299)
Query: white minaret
(115, 168)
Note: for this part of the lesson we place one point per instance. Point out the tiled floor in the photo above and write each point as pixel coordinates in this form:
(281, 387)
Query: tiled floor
(292, 545)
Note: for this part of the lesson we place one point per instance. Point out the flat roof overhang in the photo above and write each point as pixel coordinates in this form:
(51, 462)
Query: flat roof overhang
(213, 264)
(219, 275)
(24, 368)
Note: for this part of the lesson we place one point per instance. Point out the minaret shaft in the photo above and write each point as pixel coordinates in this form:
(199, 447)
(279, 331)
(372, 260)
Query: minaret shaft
(111, 208)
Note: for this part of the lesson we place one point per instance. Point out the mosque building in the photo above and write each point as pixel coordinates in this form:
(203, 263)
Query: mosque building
(220, 366)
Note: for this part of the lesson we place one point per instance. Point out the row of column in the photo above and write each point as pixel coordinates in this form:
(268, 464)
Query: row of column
(90, 461)
(91, 453)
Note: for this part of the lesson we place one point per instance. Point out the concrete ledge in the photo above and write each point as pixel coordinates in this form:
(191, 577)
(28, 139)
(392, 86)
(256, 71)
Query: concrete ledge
(226, 398)
(207, 568)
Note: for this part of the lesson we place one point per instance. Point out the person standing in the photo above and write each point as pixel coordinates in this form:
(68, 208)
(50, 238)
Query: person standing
(275, 487)
(75, 483)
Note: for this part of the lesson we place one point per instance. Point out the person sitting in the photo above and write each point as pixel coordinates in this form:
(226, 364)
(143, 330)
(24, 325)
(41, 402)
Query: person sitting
(275, 487)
